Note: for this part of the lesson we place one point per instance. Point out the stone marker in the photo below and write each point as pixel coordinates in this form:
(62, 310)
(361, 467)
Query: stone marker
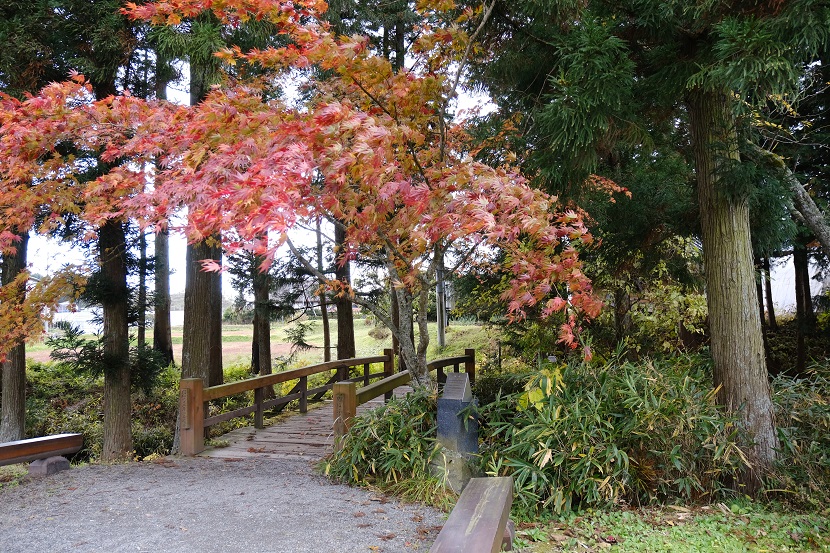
(457, 432)
(45, 467)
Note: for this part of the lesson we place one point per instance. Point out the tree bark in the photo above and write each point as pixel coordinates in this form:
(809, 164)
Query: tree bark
(773, 324)
(196, 330)
(345, 317)
(162, 331)
(112, 249)
(737, 347)
(13, 419)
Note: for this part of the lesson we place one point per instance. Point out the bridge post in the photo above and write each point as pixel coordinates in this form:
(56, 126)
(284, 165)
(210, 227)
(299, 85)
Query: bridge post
(388, 369)
(191, 416)
(303, 394)
(345, 409)
(470, 364)
(259, 397)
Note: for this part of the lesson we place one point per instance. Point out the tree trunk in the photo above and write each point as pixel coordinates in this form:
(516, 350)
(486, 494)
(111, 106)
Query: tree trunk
(216, 376)
(773, 324)
(759, 289)
(324, 304)
(13, 420)
(262, 318)
(162, 332)
(112, 246)
(414, 359)
(799, 258)
(622, 314)
(142, 290)
(345, 317)
(736, 341)
(440, 299)
(196, 330)
(255, 344)
(395, 316)
(804, 203)
(801, 261)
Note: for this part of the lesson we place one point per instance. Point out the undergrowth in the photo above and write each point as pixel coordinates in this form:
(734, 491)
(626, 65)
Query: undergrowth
(582, 436)
(391, 448)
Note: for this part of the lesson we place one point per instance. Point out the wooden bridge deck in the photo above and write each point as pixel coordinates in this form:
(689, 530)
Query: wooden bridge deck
(299, 436)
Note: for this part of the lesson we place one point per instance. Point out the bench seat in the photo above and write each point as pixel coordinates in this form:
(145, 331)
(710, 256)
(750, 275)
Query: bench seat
(32, 449)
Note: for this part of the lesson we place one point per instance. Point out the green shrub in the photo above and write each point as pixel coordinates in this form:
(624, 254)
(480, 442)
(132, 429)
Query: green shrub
(584, 436)
(387, 445)
(492, 387)
(802, 475)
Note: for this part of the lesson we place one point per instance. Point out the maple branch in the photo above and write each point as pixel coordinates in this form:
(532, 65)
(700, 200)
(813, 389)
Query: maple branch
(452, 92)
(464, 258)
(376, 101)
(487, 12)
(355, 298)
(414, 155)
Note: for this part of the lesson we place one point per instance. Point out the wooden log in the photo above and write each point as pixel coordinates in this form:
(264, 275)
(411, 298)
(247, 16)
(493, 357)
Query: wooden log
(477, 522)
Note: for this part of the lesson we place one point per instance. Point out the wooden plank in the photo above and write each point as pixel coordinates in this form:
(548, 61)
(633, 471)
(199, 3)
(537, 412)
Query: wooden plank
(477, 522)
(22, 451)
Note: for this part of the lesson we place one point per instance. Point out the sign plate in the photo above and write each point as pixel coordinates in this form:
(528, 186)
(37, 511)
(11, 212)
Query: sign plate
(457, 387)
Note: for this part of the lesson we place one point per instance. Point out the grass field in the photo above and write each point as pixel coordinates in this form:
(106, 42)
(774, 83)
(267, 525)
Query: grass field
(236, 342)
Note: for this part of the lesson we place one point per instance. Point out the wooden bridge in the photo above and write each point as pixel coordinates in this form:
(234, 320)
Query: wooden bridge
(311, 433)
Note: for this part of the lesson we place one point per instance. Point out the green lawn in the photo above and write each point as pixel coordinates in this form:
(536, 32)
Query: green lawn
(717, 529)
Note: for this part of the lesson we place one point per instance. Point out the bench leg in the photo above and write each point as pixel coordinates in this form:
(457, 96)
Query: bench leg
(509, 536)
(45, 467)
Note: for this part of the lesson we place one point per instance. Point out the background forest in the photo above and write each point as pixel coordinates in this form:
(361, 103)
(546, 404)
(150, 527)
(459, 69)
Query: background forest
(602, 231)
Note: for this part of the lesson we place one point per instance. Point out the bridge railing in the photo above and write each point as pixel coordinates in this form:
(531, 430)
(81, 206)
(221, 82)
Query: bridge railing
(347, 396)
(193, 396)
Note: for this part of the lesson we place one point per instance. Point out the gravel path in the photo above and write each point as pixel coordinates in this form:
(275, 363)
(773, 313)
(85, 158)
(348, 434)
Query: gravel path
(204, 506)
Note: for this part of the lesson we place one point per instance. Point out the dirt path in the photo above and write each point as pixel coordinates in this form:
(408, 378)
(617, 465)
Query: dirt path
(206, 505)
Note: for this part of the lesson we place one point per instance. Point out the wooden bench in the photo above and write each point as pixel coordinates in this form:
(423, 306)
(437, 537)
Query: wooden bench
(45, 447)
(478, 521)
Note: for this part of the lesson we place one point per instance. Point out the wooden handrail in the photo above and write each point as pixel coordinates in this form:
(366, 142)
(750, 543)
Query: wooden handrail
(193, 396)
(232, 388)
